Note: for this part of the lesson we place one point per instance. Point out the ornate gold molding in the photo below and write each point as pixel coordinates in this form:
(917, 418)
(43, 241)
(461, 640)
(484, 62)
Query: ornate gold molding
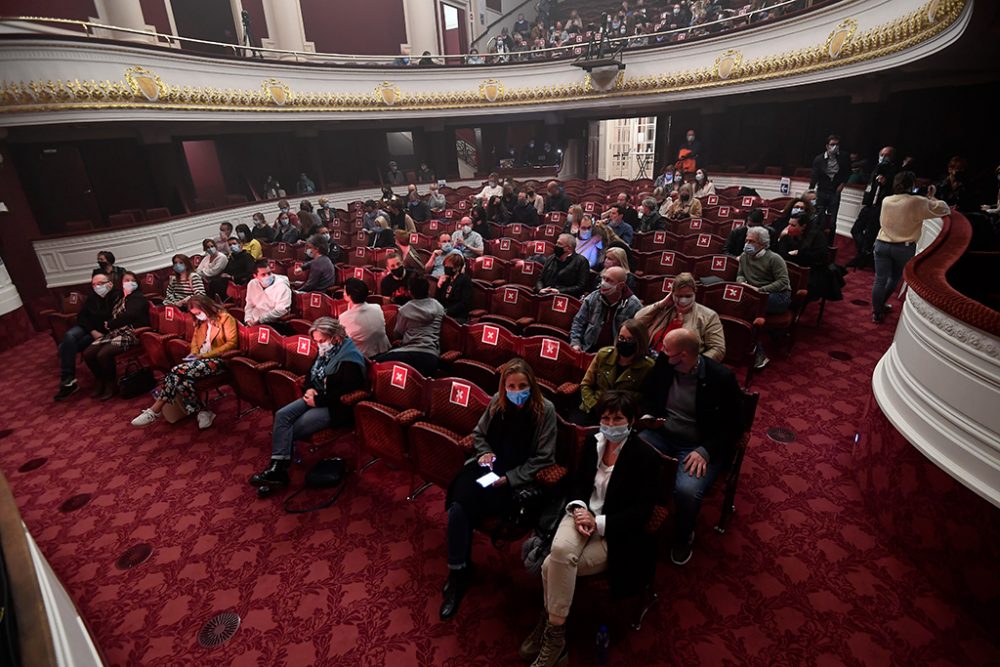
(143, 89)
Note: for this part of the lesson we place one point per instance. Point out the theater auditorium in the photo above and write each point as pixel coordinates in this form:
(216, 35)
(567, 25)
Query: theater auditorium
(499, 332)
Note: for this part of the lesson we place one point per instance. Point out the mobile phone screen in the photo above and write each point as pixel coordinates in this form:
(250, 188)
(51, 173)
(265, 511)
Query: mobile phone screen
(488, 479)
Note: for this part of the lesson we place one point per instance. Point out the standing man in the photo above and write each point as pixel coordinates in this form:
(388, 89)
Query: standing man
(867, 224)
(830, 170)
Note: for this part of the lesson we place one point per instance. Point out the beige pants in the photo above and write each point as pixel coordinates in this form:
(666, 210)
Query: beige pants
(572, 554)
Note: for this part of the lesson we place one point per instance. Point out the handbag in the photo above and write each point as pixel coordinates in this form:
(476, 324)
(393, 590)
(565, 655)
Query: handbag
(326, 474)
(526, 504)
(136, 381)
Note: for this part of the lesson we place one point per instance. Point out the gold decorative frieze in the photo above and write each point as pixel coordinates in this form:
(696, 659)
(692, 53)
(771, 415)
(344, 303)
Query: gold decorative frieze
(143, 88)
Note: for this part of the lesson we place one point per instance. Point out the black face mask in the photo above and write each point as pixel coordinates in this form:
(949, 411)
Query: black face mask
(685, 197)
(559, 251)
(626, 348)
(449, 271)
(398, 272)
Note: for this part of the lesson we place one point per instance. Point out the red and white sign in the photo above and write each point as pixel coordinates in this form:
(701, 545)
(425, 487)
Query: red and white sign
(747, 202)
(487, 263)
(297, 267)
(336, 234)
(315, 300)
(765, 212)
(282, 248)
(463, 205)
(263, 336)
(560, 304)
(510, 295)
(359, 273)
(490, 335)
(460, 394)
(361, 236)
(271, 264)
(733, 293)
(667, 258)
(74, 297)
(450, 214)
(414, 239)
(515, 229)
(505, 244)
(738, 223)
(723, 211)
(704, 240)
(550, 230)
(528, 268)
(433, 225)
(668, 285)
(539, 247)
(659, 238)
(588, 207)
(150, 279)
(695, 223)
(168, 314)
(360, 252)
(303, 346)
(399, 374)
(719, 263)
(550, 350)
(712, 200)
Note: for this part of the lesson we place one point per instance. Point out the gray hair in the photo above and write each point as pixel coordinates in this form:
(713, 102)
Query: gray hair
(760, 235)
(649, 203)
(569, 240)
(329, 327)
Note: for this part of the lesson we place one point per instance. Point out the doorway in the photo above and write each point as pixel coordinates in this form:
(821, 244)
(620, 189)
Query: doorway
(454, 33)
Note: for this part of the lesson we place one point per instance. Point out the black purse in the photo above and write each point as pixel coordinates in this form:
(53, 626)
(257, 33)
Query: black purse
(326, 474)
(526, 505)
(136, 381)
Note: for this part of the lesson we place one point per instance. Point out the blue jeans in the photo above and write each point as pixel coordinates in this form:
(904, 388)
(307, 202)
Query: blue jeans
(778, 302)
(74, 342)
(890, 258)
(688, 489)
(294, 422)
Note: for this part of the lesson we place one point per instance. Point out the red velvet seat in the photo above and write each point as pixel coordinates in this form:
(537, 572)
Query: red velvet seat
(262, 349)
(662, 263)
(558, 366)
(506, 249)
(554, 316)
(524, 272)
(487, 347)
(786, 322)
(512, 307)
(722, 267)
(651, 289)
(548, 232)
(699, 245)
(490, 270)
(396, 401)
(656, 241)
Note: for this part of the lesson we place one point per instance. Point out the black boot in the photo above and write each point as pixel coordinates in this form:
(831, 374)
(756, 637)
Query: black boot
(99, 388)
(458, 584)
(468, 569)
(274, 475)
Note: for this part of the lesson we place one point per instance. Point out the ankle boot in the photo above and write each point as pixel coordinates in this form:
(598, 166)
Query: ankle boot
(531, 646)
(458, 583)
(274, 475)
(553, 651)
(99, 388)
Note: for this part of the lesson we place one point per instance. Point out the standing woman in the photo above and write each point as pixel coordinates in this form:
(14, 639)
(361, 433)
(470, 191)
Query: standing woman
(215, 334)
(515, 438)
(184, 284)
(130, 311)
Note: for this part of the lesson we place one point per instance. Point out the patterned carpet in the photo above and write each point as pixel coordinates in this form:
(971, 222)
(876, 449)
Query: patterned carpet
(802, 577)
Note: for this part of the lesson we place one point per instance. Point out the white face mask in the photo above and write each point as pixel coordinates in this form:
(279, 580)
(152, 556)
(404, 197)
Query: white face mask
(684, 301)
(201, 317)
(466, 229)
(129, 286)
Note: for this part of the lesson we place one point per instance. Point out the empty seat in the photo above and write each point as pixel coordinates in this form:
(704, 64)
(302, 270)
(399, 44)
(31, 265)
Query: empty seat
(396, 400)
(554, 316)
(512, 307)
(487, 346)
(262, 349)
(489, 269)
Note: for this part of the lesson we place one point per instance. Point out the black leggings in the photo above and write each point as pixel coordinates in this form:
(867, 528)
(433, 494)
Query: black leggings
(100, 359)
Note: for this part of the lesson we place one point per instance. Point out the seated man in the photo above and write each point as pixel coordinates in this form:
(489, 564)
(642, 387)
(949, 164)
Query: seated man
(617, 224)
(767, 271)
(524, 212)
(694, 403)
(564, 272)
(738, 237)
(364, 322)
(418, 323)
(650, 219)
(396, 281)
(322, 274)
(240, 267)
(269, 296)
(468, 241)
(603, 311)
(435, 264)
(91, 324)
(415, 206)
(435, 200)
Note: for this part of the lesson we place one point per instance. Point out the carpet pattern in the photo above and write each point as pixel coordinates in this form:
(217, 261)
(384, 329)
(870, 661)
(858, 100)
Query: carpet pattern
(802, 576)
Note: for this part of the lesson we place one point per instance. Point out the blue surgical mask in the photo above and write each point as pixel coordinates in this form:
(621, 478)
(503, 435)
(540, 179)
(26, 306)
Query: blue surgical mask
(211, 250)
(179, 267)
(129, 286)
(325, 236)
(102, 289)
(268, 281)
(796, 210)
(749, 249)
(615, 433)
(446, 248)
(519, 398)
(283, 209)
(585, 234)
(309, 253)
(234, 248)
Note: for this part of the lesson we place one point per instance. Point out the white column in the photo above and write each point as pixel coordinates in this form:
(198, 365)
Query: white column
(284, 27)
(422, 27)
(124, 14)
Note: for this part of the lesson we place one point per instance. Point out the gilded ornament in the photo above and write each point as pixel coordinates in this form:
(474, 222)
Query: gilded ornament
(388, 93)
(145, 82)
(278, 91)
(491, 90)
(728, 64)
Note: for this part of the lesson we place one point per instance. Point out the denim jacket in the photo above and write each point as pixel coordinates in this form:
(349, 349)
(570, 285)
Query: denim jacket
(590, 318)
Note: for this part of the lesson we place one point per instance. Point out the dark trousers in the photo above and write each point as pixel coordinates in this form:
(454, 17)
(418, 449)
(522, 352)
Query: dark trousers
(865, 229)
(468, 504)
(74, 342)
(827, 207)
(426, 363)
(100, 359)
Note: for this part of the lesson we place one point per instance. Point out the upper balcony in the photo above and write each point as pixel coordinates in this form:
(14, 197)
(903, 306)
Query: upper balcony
(59, 78)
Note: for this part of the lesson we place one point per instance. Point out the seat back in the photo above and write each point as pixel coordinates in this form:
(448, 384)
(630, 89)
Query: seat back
(656, 241)
(174, 321)
(490, 343)
(557, 310)
(662, 263)
(72, 303)
(299, 353)
(512, 302)
(518, 232)
(489, 269)
(452, 336)
(505, 248)
(722, 267)
(397, 385)
(699, 245)
(532, 248)
(359, 256)
(554, 361)
(737, 300)
(262, 343)
(651, 289)
(546, 233)
(524, 272)
(456, 404)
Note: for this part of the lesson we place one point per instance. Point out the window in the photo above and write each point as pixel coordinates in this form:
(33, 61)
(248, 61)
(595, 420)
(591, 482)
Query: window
(495, 5)
(399, 143)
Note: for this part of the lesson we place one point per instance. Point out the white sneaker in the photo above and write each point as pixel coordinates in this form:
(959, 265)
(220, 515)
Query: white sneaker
(145, 418)
(205, 419)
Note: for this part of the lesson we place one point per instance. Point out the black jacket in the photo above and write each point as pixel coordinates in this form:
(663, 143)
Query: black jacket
(136, 313)
(628, 504)
(557, 202)
(811, 246)
(349, 377)
(95, 312)
(570, 277)
(455, 294)
(718, 404)
(241, 267)
(653, 222)
(738, 238)
(525, 214)
(820, 182)
(262, 233)
(875, 192)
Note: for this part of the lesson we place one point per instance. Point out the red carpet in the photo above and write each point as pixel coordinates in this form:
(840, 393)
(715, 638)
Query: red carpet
(802, 577)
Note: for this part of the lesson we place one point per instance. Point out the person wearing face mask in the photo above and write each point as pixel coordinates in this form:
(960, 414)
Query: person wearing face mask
(508, 200)
(415, 206)
(703, 184)
(866, 225)
(418, 327)
(215, 334)
(573, 218)
(622, 366)
(804, 244)
(589, 245)
(684, 207)
(491, 189)
(691, 404)
(396, 281)
(650, 219)
(767, 271)
(689, 152)
(363, 321)
(129, 312)
(737, 238)
(322, 274)
(611, 498)
(106, 266)
(284, 208)
(249, 243)
(524, 212)
(557, 199)
(618, 255)
(679, 310)
(535, 199)
(467, 240)
(261, 232)
(269, 296)
(326, 212)
(435, 263)
(603, 311)
(514, 439)
(383, 236)
(91, 325)
(830, 171)
(240, 266)
(454, 289)
(222, 240)
(398, 217)
(435, 200)
(212, 266)
(184, 283)
(285, 231)
(564, 271)
(407, 253)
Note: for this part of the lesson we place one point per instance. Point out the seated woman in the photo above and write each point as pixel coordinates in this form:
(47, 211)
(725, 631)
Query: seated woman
(800, 207)
(616, 255)
(411, 260)
(262, 231)
(454, 289)
(804, 243)
(249, 243)
(610, 501)
(685, 206)
(322, 274)
(184, 284)
(338, 370)
(382, 237)
(213, 265)
(678, 309)
(590, 244)
(705, 186)
(129, 312)
(215, 333)
(514, 439)
(623, 366)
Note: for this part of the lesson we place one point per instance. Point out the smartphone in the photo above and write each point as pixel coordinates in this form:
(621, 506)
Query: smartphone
(488, 479)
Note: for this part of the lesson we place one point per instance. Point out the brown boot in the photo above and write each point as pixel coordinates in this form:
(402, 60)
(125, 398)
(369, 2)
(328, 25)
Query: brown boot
(553, 652)
(533, 644)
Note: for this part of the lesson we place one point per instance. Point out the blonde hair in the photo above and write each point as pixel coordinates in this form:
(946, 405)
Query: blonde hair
(685, 279)
(619, 255)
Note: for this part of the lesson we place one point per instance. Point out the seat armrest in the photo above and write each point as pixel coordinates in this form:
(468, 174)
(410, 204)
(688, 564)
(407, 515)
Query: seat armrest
(406, 418)
(231, 354)
(551, 475)
(525, 321)
(656, 519)
(354, 397)
(451, 355)
(568, 388)
(758, 322)
(467, 443)
(265, 366)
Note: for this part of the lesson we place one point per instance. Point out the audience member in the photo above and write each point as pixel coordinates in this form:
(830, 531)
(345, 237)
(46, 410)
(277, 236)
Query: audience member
(91, 325)
(262, 232)
(514, 439)
(106, 265)
(866, 225)
(738, 236)
(396, 281)
(212, 266)
(129, 312)
(704, 185)
(765, 270)
(383, 235)
(603, 311)
(285, 209)
(222, 241)
(435, 264)
(953, 189)
(304, 186)
(241, 265)
(325, 212)
(435, 200)
(468, 241)
(616, 223)
(338, 370)
(801, 207)
(371, 211)
(688, 162)
(557, 199)
(564, 271)
(684, 207)
(418, 324)
(184, 282)
(830, 170)
(364, 322)
(398, 218)
(622, 366)
(650, 219)
(535, 199)
(284, 230)
(524, 212)
(491, 189)
(695, 405)
(394, 176)
(993, 209)
(619, 256)
(454, 289)
(269, 296)
(407, 253)
(248, 242)
(215, 334)
(309, 220)
(426, 175)
(590, 245)
(322, 273)
(415, 206)
(679, 310)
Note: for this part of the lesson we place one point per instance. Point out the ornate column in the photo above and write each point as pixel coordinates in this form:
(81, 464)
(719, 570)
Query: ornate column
(284, 27)
(421, 26)
(124, 14)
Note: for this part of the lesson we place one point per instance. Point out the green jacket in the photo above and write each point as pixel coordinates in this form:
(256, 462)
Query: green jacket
(601, 376)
